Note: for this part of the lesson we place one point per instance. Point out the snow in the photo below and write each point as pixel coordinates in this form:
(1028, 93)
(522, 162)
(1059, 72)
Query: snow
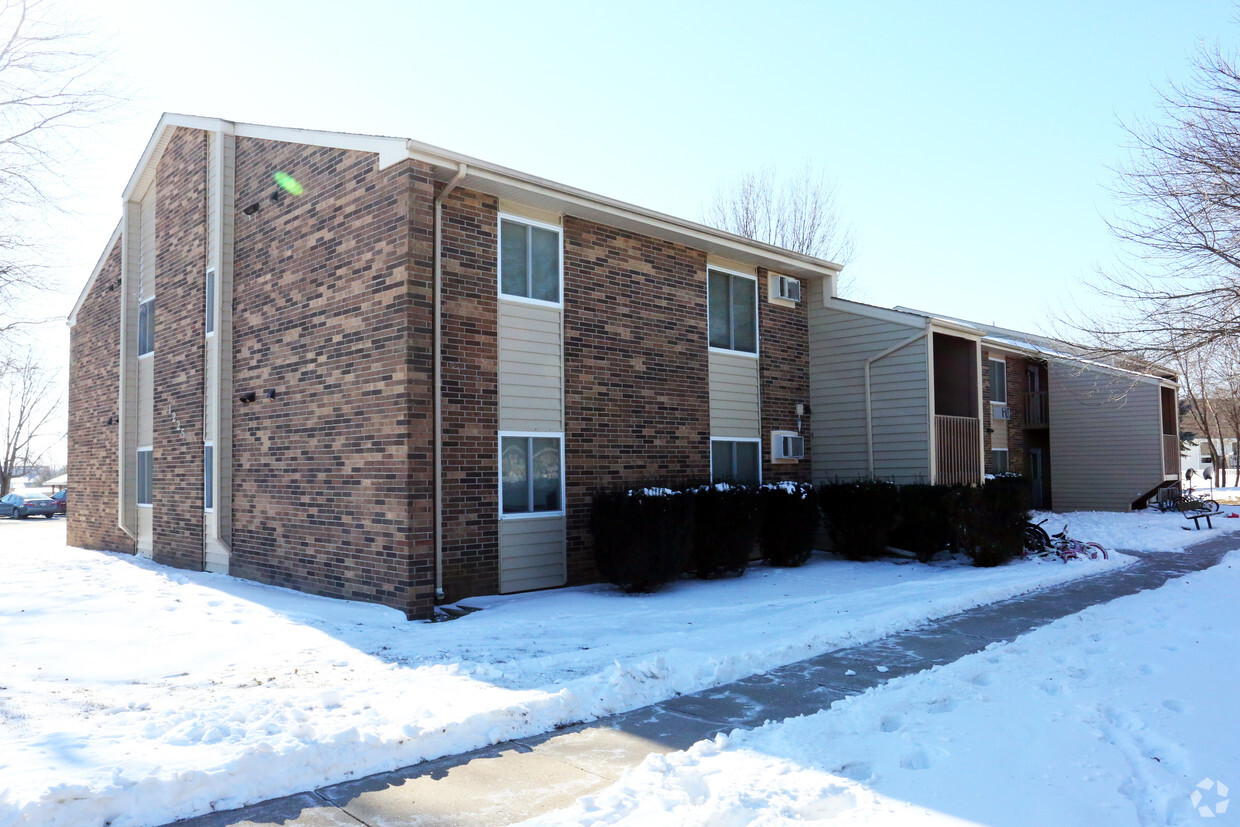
(1148, 530)
(135, 694)
(1123, 714)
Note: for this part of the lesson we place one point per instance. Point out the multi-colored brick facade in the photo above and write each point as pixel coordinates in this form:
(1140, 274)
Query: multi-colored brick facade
(332, 472)
(94, 377)
(1017, 387)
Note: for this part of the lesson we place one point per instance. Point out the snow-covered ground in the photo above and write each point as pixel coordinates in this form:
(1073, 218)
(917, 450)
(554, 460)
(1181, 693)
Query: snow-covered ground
(135, 694)
(1124, 714)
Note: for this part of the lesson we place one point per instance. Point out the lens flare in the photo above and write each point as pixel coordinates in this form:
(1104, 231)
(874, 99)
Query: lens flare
(288, 183)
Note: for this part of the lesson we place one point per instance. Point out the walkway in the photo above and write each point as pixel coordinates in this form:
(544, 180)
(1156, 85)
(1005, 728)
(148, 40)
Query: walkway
(521, 779)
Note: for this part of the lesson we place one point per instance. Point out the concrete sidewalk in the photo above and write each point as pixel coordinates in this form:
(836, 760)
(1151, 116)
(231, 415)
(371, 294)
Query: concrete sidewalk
(521, 779)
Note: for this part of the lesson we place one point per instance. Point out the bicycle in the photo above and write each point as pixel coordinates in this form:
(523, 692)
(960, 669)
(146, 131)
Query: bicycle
(1038, 543)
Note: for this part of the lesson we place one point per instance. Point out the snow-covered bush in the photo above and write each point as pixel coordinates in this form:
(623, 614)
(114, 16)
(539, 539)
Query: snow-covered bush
(790, 519)
(858, 516)
(642, 538)
(727, 521)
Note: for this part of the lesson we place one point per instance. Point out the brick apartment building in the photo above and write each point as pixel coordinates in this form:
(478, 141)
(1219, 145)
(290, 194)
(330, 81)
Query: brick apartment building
(369, 368)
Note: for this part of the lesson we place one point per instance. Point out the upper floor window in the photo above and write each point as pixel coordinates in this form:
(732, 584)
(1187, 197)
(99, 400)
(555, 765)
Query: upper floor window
(998, 381)
(146, 327)
(733, 309)
(529, 260)
(210, 323)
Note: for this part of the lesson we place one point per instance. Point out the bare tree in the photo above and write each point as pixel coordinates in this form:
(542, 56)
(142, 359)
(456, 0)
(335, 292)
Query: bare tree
(46, 93)
(1178, 287)
(28, 393)
(1199, 383)
(799, 214)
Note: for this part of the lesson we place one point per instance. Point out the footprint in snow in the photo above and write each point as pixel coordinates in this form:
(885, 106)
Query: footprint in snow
(1175, 706)
(856, 770)
(916, 760)
(891, 723)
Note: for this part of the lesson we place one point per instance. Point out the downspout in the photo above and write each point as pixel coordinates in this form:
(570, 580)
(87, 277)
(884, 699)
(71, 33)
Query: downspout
(869, 414)
(461, 170)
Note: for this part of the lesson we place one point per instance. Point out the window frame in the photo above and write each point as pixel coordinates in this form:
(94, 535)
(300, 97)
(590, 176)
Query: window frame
(757, 340)
(993, 361)
(499, 473)
(211, 286)
(1007, 460)
(208, 477)
(734, 439)
(149, 450)
(150, 324)
(499, 260)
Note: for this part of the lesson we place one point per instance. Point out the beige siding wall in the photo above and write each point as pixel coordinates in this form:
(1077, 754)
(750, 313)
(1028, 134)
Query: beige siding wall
(734, 410)
(146, 255)
(531, 368)
(839, 344)
(1106, 439)
(531, 554)
(146, 364)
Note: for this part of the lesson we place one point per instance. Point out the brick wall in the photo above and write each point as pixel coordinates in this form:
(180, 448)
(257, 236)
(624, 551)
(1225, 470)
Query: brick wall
(1017, 382)
(784, 378)
(637, 400)
(180, 302)
(330, 483)
(94, 381)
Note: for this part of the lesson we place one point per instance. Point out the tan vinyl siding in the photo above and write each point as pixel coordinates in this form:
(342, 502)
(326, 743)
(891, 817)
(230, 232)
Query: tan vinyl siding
(127, 404)
(146, 533)
(531, 372)
(146, 401)
(734, 410)
(531, 554)
(146, 255)
(1106, 439)
(839, 344)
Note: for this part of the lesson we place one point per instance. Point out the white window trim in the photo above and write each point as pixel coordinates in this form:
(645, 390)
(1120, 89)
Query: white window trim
(499, 456)
(150, 352)
(992, 400)
(757, 327)
(211, 314)
(205, 445)
(715, 439)
(499, 260)
(150, 449)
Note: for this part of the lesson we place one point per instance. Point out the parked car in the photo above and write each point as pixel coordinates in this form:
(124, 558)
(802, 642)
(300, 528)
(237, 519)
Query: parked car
(21, 506)
(61, 498)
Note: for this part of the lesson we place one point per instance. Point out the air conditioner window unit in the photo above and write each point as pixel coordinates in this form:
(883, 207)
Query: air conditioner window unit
(789, 288)
(791, 447)
(1001, 412)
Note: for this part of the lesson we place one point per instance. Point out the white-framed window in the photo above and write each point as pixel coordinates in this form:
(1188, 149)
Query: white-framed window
(210, 289)
(531, 474)
(146, 327)
(787, 446)
(999, 461)
(998, 381)
(530, 260)
(208, 476)
(736, 460)
(146, 475)
(732, 307)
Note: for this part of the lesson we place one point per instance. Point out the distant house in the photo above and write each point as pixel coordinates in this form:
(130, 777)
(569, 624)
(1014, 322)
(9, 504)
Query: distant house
(914, 397)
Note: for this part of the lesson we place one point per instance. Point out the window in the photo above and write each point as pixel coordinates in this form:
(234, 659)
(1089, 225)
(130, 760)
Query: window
(145, 476)
(733, 310)
(208, 476)
(529, 260)
(735, 461)
(530, 480)
(146, 327)
(999, 461)
(210, 301)
(998, 381)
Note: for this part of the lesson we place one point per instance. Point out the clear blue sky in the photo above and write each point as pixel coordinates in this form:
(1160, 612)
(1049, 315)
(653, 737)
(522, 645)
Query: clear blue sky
(971, 141)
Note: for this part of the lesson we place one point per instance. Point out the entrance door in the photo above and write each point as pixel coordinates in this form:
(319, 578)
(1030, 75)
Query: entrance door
(1035, 475)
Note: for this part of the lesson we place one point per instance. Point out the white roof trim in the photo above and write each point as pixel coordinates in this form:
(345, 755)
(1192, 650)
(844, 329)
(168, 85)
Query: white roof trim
(902, 316)
(94, 274)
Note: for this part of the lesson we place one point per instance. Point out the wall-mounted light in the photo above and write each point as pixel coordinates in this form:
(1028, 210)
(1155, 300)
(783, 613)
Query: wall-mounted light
(249, 211)
(247, 397)
(271, 393)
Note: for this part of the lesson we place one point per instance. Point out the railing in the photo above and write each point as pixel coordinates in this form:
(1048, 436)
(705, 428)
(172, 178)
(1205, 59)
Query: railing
(1171, 454)
(1037, 410)
(958, 450)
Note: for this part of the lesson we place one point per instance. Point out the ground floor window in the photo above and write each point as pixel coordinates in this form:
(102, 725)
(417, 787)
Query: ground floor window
(531, 480)
(736, 460)
(208, 476)
(145, 476)
(999, 461)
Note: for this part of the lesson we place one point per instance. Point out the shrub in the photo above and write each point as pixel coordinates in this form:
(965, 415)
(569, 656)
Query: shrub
(642, 538)
(790, 519)
(993, 520)
(727, 519)
(858, 516)
(927, 519)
